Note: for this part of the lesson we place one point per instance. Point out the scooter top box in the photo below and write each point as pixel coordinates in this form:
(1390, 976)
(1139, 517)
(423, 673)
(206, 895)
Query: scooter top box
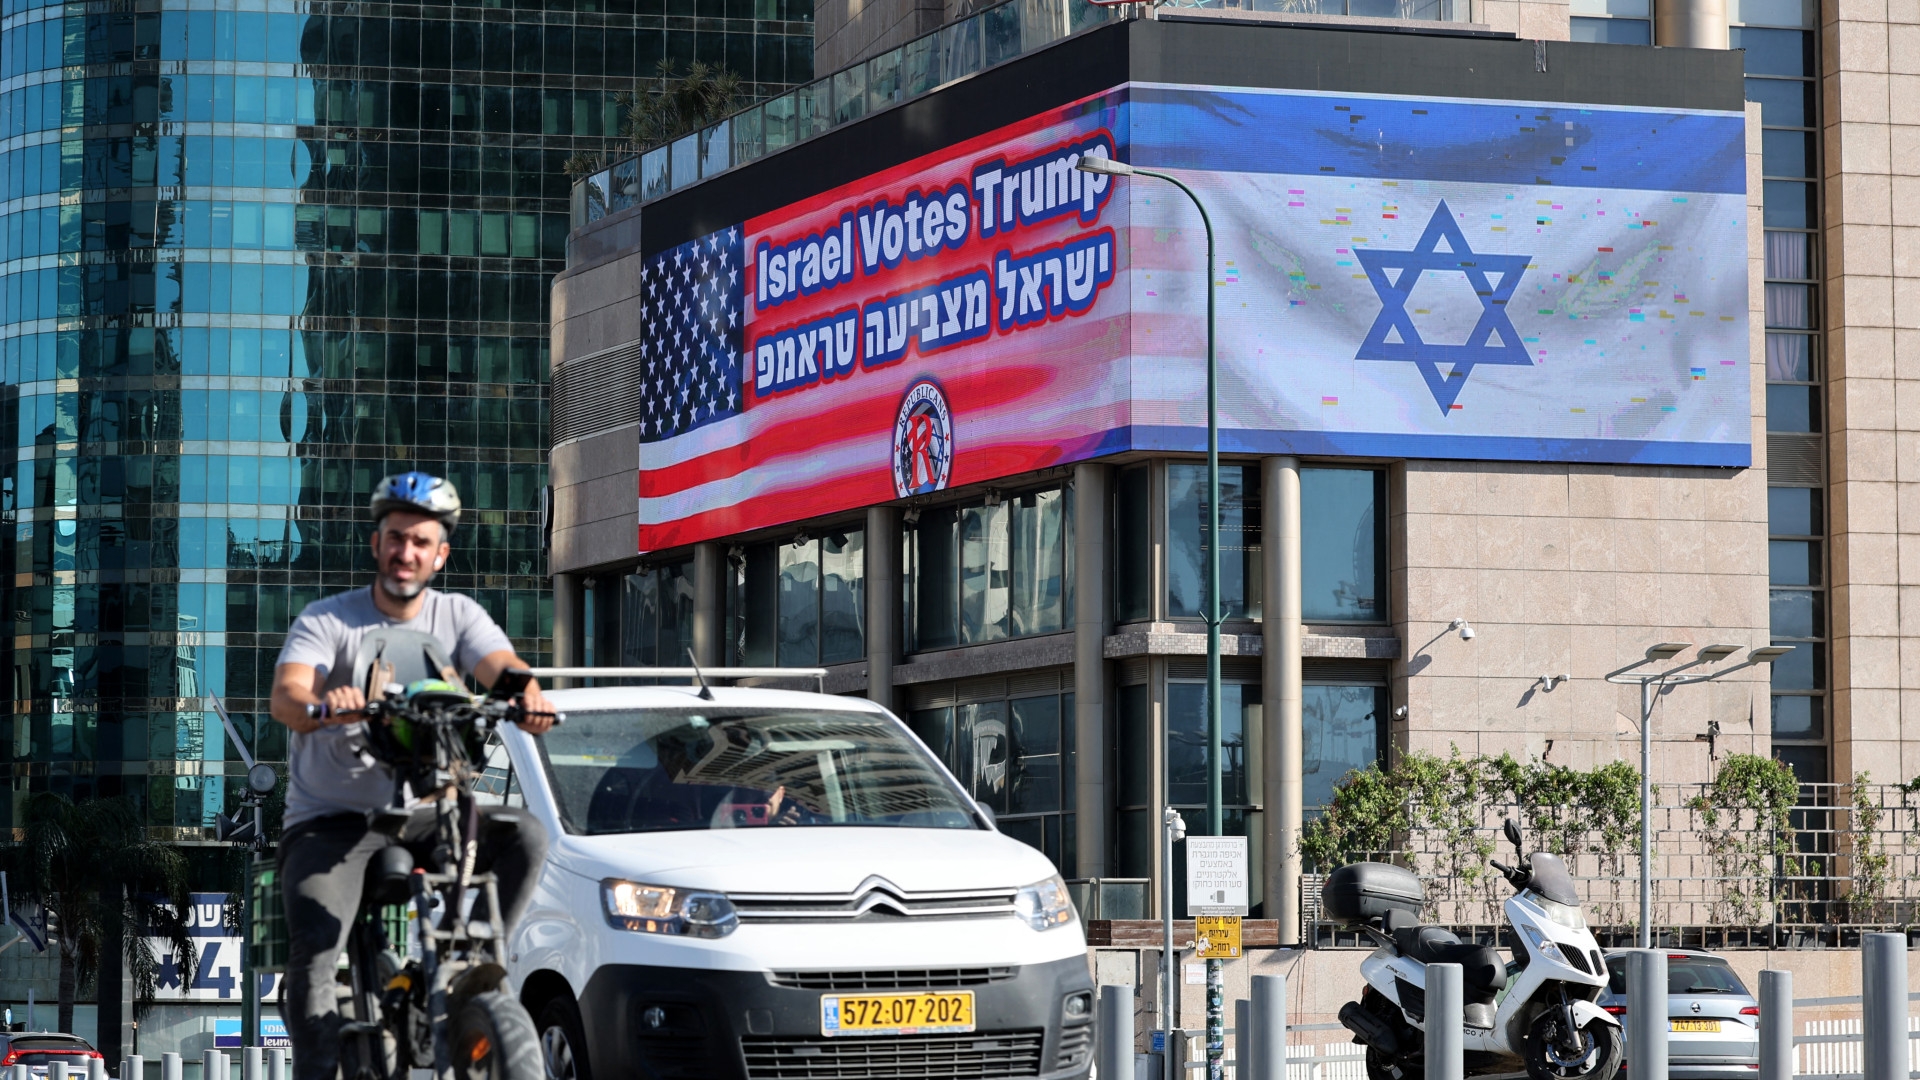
(1364, 892)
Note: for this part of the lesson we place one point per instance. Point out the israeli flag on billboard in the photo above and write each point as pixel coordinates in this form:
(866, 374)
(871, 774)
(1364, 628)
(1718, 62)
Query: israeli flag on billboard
(1450, 279)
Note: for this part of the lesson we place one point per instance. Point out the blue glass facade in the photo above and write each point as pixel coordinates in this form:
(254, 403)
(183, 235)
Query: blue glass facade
(251, 260)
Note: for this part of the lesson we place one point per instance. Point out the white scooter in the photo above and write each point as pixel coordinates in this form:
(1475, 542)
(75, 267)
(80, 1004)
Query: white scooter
(1540, 1010)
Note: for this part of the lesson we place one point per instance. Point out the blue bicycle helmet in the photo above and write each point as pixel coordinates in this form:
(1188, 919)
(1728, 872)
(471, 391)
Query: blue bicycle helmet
(422, 493)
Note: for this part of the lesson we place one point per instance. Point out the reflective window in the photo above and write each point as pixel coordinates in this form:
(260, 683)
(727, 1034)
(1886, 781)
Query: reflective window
(1343, 729)
(1343, 545)
(1240, 588)
(656, 618)
(1015, 756)
(987, 571)
(798, 604)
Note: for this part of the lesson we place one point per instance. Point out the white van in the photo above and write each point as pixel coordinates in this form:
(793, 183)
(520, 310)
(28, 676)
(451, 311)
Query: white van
(768, 884)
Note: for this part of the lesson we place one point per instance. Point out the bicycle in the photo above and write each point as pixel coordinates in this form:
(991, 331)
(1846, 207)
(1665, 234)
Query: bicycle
(448, 1007)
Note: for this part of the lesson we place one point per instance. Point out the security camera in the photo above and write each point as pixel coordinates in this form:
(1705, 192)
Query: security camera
(1400, 713)
(1466, 632)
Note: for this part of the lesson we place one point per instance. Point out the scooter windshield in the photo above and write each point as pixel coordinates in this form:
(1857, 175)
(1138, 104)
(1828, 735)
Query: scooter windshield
(1551, 879)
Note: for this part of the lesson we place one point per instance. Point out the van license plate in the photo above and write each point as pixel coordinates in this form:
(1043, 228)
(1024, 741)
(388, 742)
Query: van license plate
(1696, 1025)
(897, 1014)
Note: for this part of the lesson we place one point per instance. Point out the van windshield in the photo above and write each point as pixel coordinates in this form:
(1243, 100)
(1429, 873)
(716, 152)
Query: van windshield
(660, 770)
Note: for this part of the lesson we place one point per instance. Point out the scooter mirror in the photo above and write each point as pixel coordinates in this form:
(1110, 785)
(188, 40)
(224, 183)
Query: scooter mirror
(1513, 834)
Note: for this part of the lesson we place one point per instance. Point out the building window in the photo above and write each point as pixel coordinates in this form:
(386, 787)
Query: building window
(1188, 766)
(1797, 603)
(1015, 756)
(1343, 545)
(656, 616)
(1240, 585)
(1343, 729)
(799, 603)
(1781, 68)
(987, 571)
(1611, 22)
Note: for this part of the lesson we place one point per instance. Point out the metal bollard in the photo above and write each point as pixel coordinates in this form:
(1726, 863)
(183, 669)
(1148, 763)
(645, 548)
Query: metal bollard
(172, 1068)
(1115, 1033)
(1269, 1042)
(96, 1069)
(57, 1070)
(21, 1072)
(251, 1064)
(1776, 1025)
(134, 1068)
(1883, 1001)
(277, 1064)
(1446, 1022)
(210, 1066)
(1647, 1023)
(1242, 1038)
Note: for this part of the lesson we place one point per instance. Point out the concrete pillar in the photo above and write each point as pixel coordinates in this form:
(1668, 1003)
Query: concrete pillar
(1690, 24)
(1883, 989)
(883, 601)
(709, 607)
(1445, 1008)
(568, 647)
(1115, 1032)
(1647, 1022)
(1776, 1025)
(1090, 614)
(1280, 678)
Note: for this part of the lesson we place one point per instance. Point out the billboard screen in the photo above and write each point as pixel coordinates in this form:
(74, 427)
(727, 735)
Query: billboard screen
(1394, 276)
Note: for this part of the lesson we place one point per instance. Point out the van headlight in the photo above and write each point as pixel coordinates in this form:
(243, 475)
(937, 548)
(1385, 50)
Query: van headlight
(1044, 904)
(667, 909)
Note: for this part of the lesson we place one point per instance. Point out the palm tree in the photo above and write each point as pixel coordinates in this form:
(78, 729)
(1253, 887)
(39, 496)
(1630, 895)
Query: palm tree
(91, 866)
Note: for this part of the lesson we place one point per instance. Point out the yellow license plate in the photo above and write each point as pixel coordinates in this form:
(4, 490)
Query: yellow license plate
(1696, 1025)
(896, 1014)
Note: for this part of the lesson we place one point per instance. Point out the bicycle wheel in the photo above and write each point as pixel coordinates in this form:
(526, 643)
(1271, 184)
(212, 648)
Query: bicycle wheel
(493, 1039)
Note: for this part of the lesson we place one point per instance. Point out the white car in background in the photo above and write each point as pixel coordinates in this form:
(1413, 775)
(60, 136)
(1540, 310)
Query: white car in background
(744, 883)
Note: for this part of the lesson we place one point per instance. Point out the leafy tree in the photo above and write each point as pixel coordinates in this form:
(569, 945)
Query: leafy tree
(678, 105)
(91, 866)
(683, 104)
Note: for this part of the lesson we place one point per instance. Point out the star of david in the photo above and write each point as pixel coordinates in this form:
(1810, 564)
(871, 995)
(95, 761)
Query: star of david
(1394, 273)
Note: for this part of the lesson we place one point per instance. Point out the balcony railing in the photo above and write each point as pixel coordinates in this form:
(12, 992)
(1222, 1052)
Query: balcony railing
(953, 52)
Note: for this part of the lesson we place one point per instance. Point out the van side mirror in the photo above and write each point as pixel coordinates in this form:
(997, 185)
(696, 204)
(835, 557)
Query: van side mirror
(1513, 835)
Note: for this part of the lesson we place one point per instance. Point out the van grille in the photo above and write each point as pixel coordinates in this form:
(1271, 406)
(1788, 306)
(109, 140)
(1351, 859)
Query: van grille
(875, 898)
(906, 1057)
(903, 979)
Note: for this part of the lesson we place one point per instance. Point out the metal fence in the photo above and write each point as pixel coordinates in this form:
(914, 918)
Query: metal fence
(1846, 862)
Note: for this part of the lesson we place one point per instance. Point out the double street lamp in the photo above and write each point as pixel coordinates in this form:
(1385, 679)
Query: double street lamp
(1681, 675)
(1103, 166)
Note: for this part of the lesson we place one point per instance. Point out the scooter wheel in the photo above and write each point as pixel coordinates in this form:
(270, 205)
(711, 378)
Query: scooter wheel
(1549, 1058)
(1383, 1067)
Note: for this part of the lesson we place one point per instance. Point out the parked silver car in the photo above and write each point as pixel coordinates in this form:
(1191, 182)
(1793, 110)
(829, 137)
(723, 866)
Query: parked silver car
(39, 1049)
(1714, 1022)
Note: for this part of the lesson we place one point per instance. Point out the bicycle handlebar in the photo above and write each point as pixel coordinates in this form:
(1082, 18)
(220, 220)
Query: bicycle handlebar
(321, 711)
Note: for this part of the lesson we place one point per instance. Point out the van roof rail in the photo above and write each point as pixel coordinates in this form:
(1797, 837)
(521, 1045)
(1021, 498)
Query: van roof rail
(692, 675)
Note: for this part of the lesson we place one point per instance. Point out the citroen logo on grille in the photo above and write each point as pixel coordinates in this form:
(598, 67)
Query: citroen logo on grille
(878, 892)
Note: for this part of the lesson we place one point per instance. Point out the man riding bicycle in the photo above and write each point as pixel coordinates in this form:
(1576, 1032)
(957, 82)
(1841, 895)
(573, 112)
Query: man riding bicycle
(333, 784)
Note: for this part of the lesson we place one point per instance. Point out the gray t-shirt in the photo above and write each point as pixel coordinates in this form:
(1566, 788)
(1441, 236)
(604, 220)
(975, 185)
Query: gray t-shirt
(326, 775)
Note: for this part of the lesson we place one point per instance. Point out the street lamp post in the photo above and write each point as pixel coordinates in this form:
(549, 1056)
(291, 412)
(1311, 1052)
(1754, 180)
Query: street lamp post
(1674, 676)
(1216, 1007)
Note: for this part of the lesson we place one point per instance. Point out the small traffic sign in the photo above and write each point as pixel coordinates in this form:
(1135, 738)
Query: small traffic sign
(1217, 937)
(1216, 875)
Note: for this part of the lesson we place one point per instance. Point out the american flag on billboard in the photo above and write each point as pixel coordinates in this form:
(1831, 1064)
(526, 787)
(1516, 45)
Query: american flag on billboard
(690, 345)
(815, 359)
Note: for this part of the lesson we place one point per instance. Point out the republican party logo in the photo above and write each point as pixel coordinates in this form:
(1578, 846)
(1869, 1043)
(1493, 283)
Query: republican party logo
(922, 441)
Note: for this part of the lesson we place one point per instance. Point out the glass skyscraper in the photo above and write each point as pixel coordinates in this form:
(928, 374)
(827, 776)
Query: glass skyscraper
(256, 258)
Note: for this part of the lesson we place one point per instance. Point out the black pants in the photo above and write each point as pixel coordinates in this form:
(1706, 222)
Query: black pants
(323, 867)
